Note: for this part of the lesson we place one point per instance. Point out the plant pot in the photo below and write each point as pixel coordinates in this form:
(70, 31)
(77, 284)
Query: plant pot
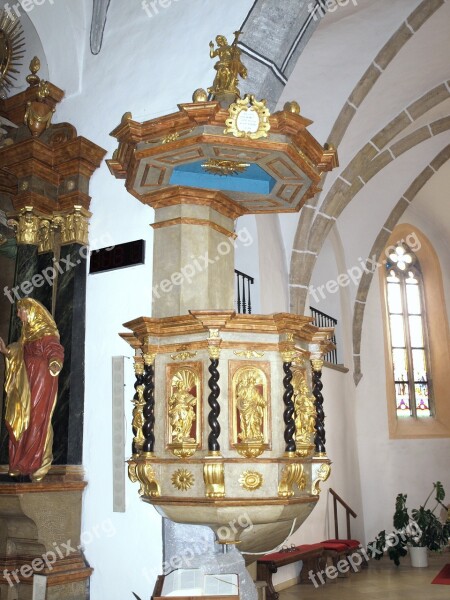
(419, 556)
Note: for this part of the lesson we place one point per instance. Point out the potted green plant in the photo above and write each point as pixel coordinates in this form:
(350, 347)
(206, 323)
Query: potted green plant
(418, 531)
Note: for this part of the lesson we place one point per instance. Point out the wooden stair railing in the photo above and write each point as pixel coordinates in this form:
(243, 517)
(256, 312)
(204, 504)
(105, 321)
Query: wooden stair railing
(348, 512)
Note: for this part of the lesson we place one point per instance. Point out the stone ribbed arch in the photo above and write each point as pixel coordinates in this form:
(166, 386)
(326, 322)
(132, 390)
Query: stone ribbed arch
(368, 162)
(314, 224)
(379, 246)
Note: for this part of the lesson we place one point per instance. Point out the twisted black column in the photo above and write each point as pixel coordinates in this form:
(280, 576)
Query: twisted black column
(288, 415)
(149, 409)
(319, 438)
(139, 381)
(213, 438)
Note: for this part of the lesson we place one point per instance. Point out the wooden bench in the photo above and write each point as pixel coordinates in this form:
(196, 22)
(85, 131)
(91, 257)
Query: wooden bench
(315, 558)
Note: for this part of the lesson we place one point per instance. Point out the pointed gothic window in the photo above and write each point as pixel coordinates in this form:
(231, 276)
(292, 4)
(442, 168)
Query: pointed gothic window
(408, 333)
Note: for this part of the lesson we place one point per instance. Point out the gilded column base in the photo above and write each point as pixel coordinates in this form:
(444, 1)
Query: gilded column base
(304, 450)
(183, 449)
(251, 449)
(214, 478)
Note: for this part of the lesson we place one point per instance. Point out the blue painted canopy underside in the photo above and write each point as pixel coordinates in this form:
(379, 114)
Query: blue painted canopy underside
(254, 180)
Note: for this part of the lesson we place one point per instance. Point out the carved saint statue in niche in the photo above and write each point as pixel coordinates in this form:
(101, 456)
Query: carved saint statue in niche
(31, 384)
(305, 412)
(228, 67)
(251, 405)
(182, 405)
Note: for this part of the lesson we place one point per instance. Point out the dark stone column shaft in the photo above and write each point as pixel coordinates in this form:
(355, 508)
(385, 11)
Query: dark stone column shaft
(288, 415)
(319, 438)
(213, 437)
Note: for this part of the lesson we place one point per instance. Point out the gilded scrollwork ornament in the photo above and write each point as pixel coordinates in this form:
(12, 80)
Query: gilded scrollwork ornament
(145, 473)
(291, 475)
(322, 474)
(249, 118)
(183, 354)
(214, 478)
(248, 353)
(141, 469)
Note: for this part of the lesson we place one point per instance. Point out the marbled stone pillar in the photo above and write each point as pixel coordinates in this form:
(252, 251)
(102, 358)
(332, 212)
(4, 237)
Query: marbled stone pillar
(44, 292)
(193, 260)
(70, 316)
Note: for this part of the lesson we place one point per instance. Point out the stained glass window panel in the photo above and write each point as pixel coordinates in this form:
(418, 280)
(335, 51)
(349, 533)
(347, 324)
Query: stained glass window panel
(422, 403)
(413, 296)
(397, 331)
(419, 365)
(400, 365)
(416, 332)
(402, 400)
(394, 298)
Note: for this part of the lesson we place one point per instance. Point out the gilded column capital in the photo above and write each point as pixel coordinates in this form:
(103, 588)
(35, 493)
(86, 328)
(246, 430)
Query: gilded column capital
(149, 358)
(26, 226)
(317, 364)
(74, 225)
(214, 342)
(139, 365)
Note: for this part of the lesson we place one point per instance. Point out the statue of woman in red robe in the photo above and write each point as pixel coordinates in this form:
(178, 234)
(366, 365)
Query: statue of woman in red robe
(31, 384)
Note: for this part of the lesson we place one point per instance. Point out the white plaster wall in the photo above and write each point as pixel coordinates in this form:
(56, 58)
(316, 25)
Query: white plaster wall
(389, 466)
(246, 257)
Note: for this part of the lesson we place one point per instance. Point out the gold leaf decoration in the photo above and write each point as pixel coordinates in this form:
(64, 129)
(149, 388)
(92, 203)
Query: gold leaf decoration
(182, 480)
(251, 480)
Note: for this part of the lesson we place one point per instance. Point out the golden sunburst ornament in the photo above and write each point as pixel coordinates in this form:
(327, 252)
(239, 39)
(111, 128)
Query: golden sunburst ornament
(11, 51)
(182, 480)
(217, 166)
(251, 480)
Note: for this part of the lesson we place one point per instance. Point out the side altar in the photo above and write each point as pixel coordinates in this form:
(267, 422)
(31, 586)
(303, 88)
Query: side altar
(228, 413)
(45, 170)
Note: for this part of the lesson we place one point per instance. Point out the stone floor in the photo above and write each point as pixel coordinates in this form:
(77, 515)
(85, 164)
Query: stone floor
(382, 580)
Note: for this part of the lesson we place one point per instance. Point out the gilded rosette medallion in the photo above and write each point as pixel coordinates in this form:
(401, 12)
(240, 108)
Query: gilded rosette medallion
(251, 480)
(182, 480)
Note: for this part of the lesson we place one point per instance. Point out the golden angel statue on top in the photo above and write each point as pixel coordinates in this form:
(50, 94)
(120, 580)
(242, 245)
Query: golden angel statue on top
(228, 67)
